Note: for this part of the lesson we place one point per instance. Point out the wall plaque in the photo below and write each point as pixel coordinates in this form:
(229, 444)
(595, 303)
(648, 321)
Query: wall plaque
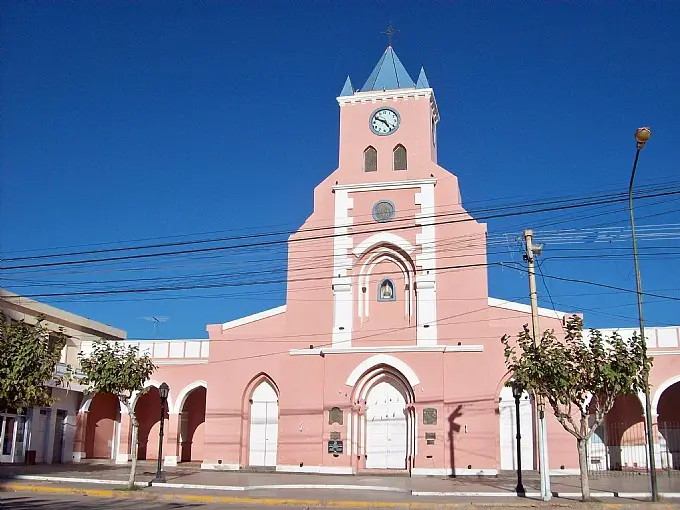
(429, 416)
(335, 416)
(335, 436)
(430, 437)
(335, 447)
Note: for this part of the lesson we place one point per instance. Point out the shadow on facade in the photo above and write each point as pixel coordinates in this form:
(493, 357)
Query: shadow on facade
(454, 428)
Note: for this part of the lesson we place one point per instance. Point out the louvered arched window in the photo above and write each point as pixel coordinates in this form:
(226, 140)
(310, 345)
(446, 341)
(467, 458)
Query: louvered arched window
(370, 159)
(399, 154)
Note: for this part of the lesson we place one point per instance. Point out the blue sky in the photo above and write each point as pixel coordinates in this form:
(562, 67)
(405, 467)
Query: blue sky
(126, 120)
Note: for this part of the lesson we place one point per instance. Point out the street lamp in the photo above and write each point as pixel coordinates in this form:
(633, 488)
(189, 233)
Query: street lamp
(517, 391)
(641, 136)
(163, 391)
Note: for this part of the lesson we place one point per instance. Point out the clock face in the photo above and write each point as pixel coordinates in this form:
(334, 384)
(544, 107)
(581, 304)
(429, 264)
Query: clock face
(384, 121)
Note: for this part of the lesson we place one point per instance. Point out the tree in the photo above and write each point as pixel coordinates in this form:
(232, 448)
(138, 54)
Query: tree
(30, 353)
(579, 380)
(114, 368)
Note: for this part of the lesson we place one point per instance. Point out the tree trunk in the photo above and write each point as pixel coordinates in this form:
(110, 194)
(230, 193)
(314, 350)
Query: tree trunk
(583, 466)
(133, 452)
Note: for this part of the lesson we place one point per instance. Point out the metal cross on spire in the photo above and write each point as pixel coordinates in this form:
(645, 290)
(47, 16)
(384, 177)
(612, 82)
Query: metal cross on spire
(390, 33)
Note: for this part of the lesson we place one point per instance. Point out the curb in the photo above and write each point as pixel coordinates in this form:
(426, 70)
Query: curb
(374, 488)
(307, 503)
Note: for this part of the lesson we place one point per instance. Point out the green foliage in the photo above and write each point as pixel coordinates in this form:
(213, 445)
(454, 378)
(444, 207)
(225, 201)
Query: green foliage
(575, 377)
(112, 367)
(29, 354)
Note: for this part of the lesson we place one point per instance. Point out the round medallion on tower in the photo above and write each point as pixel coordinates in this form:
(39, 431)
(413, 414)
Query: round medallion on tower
(383, 211)
(384, 121)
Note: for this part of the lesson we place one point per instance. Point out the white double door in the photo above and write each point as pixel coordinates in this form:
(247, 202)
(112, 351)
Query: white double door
(264, 426)
(386, 428)
(508, 419)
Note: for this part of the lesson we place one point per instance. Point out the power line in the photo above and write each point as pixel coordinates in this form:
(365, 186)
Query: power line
(276, 242)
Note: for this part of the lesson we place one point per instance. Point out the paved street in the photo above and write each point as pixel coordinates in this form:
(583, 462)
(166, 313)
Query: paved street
(30, 502)
(250, 481)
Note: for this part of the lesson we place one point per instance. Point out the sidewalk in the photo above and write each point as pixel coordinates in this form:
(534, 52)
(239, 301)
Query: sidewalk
(190, 480)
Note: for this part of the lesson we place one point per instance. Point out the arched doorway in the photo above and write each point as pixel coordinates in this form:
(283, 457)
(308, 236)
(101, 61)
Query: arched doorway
(383, 422)
(103, 424)
(264, 426)
(508, 430)
(623, 435)
(386, 427)
(669, 426)
(192, 422)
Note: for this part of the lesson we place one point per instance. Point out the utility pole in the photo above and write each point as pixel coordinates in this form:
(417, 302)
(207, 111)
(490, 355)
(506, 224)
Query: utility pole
(531, 252)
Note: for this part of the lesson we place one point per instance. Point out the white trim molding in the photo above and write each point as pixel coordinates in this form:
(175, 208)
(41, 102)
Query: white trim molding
(122, 458)
(383, 237)
(663, 353)
(519, 307)
(171, 460)
(254, 317)
(382, 359)
(327, 470)
(385, 185)
(214, 466)
(373, 96)
(456, 471)
(662, 387)
(182, 396)
(385, 349)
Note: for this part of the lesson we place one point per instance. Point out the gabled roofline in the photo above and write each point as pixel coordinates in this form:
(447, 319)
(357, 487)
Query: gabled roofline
(254, 317)
(520, 307)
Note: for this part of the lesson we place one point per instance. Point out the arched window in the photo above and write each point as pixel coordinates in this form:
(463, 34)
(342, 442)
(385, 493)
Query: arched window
(370, 159)
(386, 290)
(399, 154)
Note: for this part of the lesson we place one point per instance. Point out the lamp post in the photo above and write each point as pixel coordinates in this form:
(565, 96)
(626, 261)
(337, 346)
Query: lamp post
(163, 391)
(641, 136)
(517, 391)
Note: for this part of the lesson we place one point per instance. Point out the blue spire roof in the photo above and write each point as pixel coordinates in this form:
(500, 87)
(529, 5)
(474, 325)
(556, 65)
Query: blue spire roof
(347, 89)
(388, 74)
(422, 80)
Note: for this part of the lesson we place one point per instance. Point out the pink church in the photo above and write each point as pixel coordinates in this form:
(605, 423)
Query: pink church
(387, 354)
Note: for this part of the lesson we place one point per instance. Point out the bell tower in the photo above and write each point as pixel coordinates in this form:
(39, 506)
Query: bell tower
(388, 127)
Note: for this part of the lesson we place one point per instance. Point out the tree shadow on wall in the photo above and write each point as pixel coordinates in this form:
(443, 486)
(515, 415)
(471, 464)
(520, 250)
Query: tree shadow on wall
(454, 428)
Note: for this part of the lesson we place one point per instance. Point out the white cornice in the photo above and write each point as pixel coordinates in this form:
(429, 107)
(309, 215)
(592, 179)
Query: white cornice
(663, 353)
(385, 95)
(382, 349)
(377, 186)
(255, 317)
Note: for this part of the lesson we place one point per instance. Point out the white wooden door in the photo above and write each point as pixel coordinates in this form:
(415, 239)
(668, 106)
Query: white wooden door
(386, 435)
(264, 426)
(41, 434)
(508, 424)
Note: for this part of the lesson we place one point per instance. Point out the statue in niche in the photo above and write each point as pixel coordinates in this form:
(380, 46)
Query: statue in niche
(386, 290)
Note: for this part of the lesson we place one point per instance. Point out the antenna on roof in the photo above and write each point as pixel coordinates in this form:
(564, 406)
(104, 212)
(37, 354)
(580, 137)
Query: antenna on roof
(156, 321)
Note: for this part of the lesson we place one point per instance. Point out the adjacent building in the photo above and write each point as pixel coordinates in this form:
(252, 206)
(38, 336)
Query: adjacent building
(49, 431)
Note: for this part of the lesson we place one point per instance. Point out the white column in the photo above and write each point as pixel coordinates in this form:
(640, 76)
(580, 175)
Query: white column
(426, 284)
(342, 284)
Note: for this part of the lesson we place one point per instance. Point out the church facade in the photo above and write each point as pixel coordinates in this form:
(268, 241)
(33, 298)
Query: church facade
(387, 353)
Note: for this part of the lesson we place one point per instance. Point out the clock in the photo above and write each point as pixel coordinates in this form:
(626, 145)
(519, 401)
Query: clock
(384, 121)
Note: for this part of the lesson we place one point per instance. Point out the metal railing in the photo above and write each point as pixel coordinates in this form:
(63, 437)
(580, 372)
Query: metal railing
(622, 448)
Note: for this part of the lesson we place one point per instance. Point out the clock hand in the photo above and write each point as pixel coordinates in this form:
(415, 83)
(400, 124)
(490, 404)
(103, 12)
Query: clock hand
(384, 122)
